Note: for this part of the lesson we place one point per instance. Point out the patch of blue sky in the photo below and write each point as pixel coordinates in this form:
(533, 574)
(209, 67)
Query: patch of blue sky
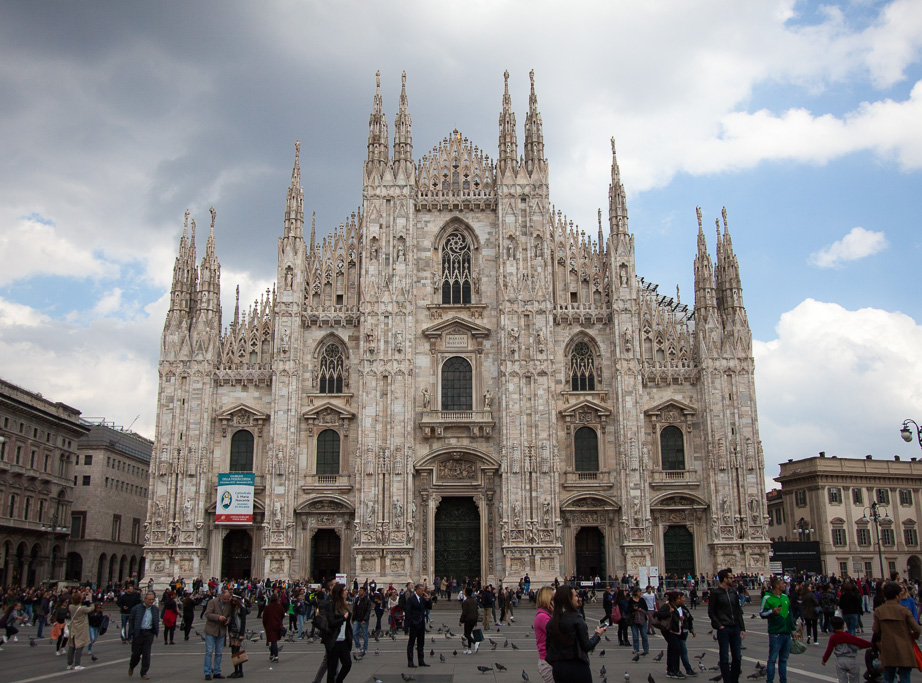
(38, 218)
(858, 15)
(780, 213)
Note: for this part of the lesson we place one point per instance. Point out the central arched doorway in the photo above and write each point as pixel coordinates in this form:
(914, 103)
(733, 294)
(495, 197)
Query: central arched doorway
(236, 554)
(590, 553)
(457, 538)
(73, 570)
(679, 551)
(914, 568)
(325, 555)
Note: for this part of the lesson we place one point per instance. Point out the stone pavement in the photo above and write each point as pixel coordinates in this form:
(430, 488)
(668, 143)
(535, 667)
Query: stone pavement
(20, 663)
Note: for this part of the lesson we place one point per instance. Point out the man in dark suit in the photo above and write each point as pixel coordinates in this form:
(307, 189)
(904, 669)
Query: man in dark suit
(415, 616)
(143, 628)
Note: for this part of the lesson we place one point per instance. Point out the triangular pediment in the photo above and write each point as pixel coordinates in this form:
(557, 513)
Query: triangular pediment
(242, 408)
(671, 404)
(456, 323)
(584, 405)
(328, 406)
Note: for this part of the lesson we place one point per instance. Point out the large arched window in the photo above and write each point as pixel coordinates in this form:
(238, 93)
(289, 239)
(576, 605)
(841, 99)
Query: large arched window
(457, 384)
(331, 369)
(672, 448)
(582, 368)
(586, 450)
(241, 454)
(328, 452)
(456, 269)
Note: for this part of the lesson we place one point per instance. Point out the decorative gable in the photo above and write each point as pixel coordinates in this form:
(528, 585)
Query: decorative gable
(242, 415)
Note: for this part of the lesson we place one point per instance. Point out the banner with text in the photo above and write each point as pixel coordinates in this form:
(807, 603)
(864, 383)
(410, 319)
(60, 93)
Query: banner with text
(235, 498)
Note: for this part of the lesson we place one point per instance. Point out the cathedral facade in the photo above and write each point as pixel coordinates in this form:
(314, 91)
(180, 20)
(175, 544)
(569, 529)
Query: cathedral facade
(456, 381)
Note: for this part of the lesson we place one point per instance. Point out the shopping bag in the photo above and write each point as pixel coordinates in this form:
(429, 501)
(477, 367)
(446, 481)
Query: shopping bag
(240, 658)
(477, 633)
(918, 655)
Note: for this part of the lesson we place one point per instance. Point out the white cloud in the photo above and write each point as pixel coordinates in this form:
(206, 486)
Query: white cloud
(857, 244)
(838, 381)
(30, 247)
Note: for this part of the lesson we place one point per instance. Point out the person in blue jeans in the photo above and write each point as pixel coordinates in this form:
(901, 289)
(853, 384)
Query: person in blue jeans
(361, 615)
(776, 607)
(217, 614)
(637, 618)
(726, 617)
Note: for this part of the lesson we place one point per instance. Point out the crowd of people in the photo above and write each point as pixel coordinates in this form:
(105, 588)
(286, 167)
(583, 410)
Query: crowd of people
(797, 611)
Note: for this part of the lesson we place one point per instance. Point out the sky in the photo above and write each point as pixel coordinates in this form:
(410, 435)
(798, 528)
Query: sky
(803, 119)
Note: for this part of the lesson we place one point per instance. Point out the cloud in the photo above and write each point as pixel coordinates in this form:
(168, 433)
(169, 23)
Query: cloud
(857, 244)
(838, 381)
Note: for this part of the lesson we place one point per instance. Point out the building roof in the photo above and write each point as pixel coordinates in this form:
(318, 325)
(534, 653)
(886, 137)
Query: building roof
(108, 435)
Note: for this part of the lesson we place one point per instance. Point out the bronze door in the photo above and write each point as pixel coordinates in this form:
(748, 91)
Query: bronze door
(679, 551)
(325, 555)
(457, 538)
(590, 546)
(236, 555)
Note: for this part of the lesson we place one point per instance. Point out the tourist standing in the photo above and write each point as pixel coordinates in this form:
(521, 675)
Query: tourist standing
(726, 617)
(415, 615)
(143, 628)
(895, 629)
(126, 602)
(636, 615)
(568, 642)
(338, 638)
(79, 630)
(776, 607)
(236, 627)
(542, 617)
(216, 615)
(361, 615)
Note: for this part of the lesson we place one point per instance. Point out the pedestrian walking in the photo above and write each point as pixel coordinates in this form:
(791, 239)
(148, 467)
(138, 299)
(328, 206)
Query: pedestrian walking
(845, 646)
(417, 604)
(338, 637)
(545, 607)
(273, 618)
(236, 627)
(776, 607)
(470, 612)
(142, 628)
(361, 616)
(726, 617)
(170, 617)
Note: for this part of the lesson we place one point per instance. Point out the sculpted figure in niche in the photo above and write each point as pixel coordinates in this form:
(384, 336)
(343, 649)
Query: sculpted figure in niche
(187, 511)
(488, 400)
(517, 515)
(289, 277)
(427, 399)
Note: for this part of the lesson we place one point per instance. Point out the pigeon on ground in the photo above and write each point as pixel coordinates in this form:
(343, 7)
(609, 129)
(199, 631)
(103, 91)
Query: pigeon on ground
(636, 657)
(658, 657)
(447, 637)
(378, 680)
(514, 646)
(439, 630)
(492, 642)
(650, 678)
(757, 674)
(441, 658)
(602, 670)
(602, 653)
(627, 677)
(455, 653)
(713, 668)
(716, 678)
(752, 616)
(701, 667)
(506, 644)
(493, 647)
(499, 667)
(759, 666)
(701, 656)
(94, 657)
(32, 642)
(377, 651)
(524, 675)
(407, 678)
(483, 669)
(608, 639)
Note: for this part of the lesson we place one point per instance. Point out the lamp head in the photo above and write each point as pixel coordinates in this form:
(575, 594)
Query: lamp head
(906, 434)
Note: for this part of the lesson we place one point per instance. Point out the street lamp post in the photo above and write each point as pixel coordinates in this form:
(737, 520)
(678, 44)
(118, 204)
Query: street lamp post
(803, 528)
(878, 515)
(906, 432)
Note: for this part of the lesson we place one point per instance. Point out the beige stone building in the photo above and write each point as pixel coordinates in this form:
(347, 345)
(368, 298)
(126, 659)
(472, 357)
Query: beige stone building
(110, 505)
(38, 443)
(828, 499)
(458, 381)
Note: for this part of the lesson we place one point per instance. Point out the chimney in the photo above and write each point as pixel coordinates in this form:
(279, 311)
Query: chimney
(822, 454)
(896, 458)
(869, 457)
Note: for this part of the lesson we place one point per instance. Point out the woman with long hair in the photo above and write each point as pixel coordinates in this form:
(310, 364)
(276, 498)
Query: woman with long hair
(236, 628)
(338, 637)
(273, 616)
(542, 617)
(79, 630)
(680, 625)
(809, 609)
(568, 641)
(620, 599)
(636, 615)
(170, 617)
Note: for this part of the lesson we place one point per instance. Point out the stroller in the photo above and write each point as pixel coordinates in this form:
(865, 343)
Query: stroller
(872, 664)
(395, 620)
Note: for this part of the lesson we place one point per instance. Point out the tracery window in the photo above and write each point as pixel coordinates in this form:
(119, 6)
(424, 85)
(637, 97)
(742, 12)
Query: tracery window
(586, 450)
(456, 269)
(582, 368)
(457, 384)
(672, 448)
(328, 452)
(241, 453)
(331, 369)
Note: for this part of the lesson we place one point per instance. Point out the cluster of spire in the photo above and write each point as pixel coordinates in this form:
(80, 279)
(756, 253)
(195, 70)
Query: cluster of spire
(718, 287)
(196, 287)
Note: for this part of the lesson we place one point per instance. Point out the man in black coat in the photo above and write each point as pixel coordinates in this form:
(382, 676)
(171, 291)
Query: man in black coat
(415, 616)
(726, 617)
(143, 628)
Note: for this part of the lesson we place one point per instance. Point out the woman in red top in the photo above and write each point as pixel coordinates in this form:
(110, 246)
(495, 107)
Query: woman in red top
(170, 615)
(273, 616)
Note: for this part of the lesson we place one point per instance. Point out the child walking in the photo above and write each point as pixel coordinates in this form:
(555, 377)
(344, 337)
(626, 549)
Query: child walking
(845, 646)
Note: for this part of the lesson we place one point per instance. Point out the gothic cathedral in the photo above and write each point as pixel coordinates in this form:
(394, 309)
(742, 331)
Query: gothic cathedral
(457, 382)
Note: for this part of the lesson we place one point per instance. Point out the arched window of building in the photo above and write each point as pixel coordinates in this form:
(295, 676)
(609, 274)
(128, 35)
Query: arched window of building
(456, 269)
(457, 384)
(241, 453)
(586, 450)
(328, 452)
(672, 448)
(582, 368)
(332, 369)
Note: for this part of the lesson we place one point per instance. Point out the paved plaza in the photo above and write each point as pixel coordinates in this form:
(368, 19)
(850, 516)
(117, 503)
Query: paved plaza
(299, 660)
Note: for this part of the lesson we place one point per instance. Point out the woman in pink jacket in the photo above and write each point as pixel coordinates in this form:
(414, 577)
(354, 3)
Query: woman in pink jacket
(542, 616)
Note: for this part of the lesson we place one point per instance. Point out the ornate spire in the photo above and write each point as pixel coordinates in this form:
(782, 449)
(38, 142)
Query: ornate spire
(729, 285)
(508, 146)
(403, 135)
(534, 134)
(704, 272)
(313, 244)
(294, 204)
(210, 274)
(617, 202)
(377, 131)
